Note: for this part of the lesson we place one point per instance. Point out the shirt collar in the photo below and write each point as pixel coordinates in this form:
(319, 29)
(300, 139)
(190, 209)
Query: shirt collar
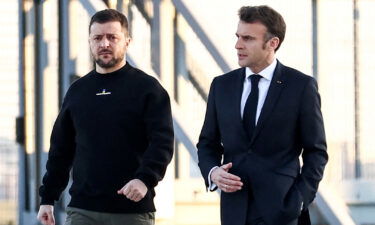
(266, 73)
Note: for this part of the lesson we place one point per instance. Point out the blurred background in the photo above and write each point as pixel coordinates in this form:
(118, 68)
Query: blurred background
(185, 43)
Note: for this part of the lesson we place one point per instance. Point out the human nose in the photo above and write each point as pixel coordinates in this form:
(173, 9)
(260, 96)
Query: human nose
(238, 44)
(104, 43)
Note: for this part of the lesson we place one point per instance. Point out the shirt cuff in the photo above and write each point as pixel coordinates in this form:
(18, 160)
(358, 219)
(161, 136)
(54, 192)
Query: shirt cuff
(211, 185)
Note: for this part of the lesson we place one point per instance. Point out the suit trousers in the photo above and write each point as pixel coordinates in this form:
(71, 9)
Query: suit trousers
(261, 222)
(254, 216)
(86, 217)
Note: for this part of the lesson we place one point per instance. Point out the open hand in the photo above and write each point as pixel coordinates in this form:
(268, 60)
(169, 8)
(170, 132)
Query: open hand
(226, 181)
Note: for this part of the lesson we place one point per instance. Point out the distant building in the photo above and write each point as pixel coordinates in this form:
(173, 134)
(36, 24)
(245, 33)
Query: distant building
(185, 44)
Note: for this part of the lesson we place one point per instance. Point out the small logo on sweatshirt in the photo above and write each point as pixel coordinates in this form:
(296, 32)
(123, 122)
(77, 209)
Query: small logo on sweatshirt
(104, 92)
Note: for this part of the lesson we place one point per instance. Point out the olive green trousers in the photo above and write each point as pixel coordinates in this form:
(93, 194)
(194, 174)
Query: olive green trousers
(77, 216)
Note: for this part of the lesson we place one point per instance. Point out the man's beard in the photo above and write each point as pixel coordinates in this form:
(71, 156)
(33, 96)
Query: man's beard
(111, 63)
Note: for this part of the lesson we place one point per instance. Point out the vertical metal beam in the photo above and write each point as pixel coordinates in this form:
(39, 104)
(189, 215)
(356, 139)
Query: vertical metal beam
(22, 159)
(64, 61)
(357, 118)
(314, 38)
(177, 58)
(130, 19)
(29, 165)
(155, 37)
(64, 72)
(38, 10)
(166, 34)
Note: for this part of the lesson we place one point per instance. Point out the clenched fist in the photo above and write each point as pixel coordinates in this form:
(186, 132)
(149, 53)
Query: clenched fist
(134, 190)
(45, 215)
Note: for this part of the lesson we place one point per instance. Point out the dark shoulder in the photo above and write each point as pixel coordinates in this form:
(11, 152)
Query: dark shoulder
(297, 79)
(83, 80)
(230, 76)
(144, 80)
(295, 75)
(79, 83)
(142, 76)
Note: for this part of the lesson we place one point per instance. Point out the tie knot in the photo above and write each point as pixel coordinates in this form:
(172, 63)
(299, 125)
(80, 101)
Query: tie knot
(255, 79)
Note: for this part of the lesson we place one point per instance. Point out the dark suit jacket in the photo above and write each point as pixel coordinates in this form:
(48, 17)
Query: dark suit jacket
(290, 124)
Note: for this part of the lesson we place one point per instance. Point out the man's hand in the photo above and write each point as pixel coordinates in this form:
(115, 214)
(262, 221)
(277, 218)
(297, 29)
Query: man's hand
(227, 182)
(45, 215)
(134, 190)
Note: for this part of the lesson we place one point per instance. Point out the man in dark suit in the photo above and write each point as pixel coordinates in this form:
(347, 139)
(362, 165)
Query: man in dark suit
(260, 119)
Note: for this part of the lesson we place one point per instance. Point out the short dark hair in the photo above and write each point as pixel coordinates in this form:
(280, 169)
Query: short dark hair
(267, 16)
(110, 15)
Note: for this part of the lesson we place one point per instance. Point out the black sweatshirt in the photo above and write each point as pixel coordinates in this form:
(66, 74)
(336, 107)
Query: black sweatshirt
(111, 128)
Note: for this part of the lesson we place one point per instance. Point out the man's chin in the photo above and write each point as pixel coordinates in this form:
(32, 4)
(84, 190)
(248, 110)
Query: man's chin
(242, 64)
(107, 64)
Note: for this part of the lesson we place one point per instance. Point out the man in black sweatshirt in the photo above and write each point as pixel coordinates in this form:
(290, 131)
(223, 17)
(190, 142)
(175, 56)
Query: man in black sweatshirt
(114, 131)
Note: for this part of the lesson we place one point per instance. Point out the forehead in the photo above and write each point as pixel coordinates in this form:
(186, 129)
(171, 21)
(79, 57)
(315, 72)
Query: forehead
(253, 29)
(113, 27)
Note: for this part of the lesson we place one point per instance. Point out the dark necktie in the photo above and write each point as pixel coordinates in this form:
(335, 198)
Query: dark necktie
(251, 105)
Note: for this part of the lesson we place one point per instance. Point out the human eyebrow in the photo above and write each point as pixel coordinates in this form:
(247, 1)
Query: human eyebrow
(245, 37)
(112, 35)
(248, 37)
(97, 36)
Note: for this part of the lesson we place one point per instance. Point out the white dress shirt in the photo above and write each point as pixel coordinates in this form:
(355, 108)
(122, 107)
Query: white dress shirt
(264, 84)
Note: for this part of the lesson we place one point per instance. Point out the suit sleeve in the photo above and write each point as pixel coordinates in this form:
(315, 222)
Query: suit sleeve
(60, 157)
(159, 128)
(313, 140)
(210, 149)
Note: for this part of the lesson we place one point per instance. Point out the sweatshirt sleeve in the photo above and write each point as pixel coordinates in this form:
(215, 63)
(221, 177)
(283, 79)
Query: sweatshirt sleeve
(159, 128)
(60, 157)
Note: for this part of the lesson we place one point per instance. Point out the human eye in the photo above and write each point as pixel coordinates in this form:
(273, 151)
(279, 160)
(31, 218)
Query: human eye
(247, 38)
(96, 38)
(112, 37)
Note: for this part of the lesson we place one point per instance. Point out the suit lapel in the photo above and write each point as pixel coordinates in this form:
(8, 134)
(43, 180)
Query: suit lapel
(238, 93)
(238, 88)
(276, 86)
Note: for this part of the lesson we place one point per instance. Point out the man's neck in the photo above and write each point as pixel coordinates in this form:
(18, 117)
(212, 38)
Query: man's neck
(262, 65)
(102, 70)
